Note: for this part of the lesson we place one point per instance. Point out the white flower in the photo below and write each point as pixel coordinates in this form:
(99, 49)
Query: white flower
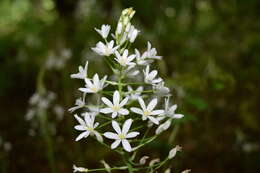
(121, 136)
(124, 59)
(134, 94)
(88, 126)
(105, 50)
(80, 103)
(173, 152)
(82, 74)
(151, 52)
(149, 77)
(186, 171)
(147, 112)
(104, 31)
(95, 86)
(160, 89)
(116, 107)
(141, 60)
(170, 110)
(132, 34)
(79, 169)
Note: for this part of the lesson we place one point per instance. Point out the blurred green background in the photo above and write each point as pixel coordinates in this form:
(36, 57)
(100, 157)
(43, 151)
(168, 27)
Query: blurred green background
(211, 62)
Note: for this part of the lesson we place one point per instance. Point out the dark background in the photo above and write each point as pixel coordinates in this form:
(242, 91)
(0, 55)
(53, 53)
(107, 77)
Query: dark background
(211, 62)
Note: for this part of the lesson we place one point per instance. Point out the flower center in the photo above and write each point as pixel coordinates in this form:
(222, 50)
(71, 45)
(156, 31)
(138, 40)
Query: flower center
(123, 61)
(121, 136)
(89, 128)
(116, 108)
(146, 112)
(107, 51)
(94, 89)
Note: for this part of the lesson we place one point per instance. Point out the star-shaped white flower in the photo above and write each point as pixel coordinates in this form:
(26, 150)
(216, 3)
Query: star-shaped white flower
(80, 102)
(150, 77)
(121, 136)
(82, 74)
(124, 59)
(105, 49)
(148, 112)
(88, 126)
(95, 86)
(135, 94)
(104, 31)
(141, 59)
(160, 89)
(170, 110)
(151, 52)
(169, 113)
(116, 107)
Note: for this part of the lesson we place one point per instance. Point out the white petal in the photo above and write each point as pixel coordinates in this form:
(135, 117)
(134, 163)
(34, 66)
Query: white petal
(88, 82)
(154, 120)
(152, 74)
(96, 80)
(163, 127)
(178, 116)
(116, 127)
(123, 111)
(115, 144)
(132, 134)
(173, 108)
(141, 102)
(88, 120)
(152, 104)
(82, 135)
(106, 110)
(98, 136)
(107, 102)
(157, 112)
(80, 127)
(85, 90)
(116, 98)
(114, 114)
(79, 119)
(127, 126)
(137, 110)
(111, 135)
(126, 145)
(123, 102)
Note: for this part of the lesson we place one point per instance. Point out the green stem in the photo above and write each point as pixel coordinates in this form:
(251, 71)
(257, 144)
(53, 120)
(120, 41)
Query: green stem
(43, 122)
(48, 141)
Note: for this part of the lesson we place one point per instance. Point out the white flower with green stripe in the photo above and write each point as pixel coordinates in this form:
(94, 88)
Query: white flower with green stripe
(121, 135)
(87, 126)
(116, 108)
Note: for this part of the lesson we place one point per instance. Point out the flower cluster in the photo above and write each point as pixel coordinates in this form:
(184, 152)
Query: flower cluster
(131, 106)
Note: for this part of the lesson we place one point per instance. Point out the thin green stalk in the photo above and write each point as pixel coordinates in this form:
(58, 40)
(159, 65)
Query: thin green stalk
(43, 122)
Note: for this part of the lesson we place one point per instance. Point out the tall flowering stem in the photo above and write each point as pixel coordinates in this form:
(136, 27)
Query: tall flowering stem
(133, 102)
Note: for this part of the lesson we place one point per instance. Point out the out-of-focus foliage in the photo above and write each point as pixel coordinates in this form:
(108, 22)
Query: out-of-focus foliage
(211, 62)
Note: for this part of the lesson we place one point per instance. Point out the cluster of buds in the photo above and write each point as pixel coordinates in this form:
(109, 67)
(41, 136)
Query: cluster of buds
(132, 102)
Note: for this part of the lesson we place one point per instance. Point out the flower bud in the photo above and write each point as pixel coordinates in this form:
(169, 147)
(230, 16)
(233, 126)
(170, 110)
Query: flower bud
(143, 160)
(173, 152)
